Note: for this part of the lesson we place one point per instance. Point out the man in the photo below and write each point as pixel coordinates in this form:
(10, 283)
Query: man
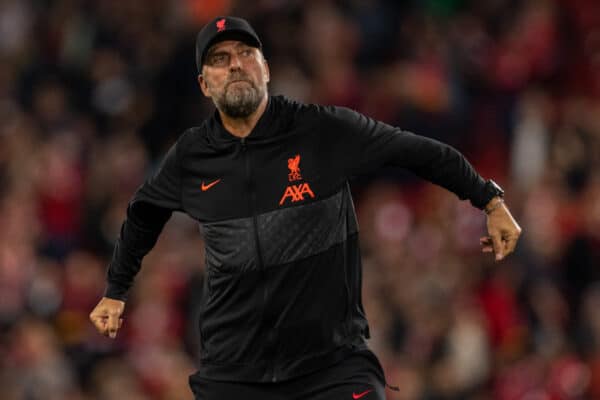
(267, 179)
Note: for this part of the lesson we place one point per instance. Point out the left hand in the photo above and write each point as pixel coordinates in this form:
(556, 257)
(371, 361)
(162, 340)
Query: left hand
(503, 230)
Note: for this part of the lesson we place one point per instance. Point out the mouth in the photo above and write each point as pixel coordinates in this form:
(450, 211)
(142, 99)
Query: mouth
(237, 85)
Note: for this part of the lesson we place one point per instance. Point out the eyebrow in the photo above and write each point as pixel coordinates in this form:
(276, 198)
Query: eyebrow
(214, 50)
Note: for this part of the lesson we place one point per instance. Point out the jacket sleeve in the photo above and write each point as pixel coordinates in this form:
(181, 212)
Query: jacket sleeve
(147, 212)
(369, 144)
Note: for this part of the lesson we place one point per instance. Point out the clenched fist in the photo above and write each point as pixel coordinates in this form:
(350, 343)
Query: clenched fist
(106, 316)
(503, 230)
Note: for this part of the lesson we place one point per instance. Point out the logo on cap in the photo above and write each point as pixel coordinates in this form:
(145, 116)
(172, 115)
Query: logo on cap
(221, 25)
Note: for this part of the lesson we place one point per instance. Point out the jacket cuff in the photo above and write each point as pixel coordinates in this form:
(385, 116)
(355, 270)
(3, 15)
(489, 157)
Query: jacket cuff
(487, 192)
(116, 292)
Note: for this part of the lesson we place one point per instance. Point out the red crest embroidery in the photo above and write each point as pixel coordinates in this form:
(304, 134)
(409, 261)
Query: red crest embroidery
(294, 166)
(221, 25)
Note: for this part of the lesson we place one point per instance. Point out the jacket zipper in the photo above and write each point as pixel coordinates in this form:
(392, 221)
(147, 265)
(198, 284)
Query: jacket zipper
(252, 203)
(251, 189)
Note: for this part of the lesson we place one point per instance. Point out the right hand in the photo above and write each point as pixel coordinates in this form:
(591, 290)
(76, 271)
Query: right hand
(503, 230)
(106, 316)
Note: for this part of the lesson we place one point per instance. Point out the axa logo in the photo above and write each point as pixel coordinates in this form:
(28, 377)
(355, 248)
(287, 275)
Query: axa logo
(296, 192)
(221, 25)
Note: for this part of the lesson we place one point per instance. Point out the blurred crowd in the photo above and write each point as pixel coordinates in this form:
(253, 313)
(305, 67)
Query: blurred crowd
(92, 93)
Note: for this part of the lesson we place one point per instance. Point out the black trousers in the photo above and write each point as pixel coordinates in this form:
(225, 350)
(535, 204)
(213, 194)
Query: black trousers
(358, 377)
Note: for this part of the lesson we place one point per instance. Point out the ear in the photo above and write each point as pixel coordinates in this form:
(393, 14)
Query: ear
(203, 85)
(267, 73)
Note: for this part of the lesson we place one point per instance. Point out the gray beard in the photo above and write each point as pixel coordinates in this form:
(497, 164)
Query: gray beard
(240, 101)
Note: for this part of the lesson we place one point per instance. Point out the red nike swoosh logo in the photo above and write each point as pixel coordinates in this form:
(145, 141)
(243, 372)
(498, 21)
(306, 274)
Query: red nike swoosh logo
(206, 187)
(356, 396)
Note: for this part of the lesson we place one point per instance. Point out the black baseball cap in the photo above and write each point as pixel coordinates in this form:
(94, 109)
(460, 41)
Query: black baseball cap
(224, 28)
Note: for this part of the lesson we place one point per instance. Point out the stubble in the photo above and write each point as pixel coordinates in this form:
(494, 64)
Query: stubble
(240, 97)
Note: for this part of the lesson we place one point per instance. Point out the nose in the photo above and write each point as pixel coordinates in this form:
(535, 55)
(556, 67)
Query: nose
(235, 62)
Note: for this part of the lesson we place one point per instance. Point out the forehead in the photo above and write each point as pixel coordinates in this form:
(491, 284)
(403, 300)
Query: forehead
(226, 45)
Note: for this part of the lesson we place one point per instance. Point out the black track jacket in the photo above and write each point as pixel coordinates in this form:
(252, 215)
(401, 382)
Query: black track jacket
(283, 268)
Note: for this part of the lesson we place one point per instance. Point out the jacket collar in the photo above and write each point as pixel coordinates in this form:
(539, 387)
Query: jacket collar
(263, 129)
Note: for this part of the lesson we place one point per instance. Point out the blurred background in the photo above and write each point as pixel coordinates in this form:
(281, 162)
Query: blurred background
(92, 93)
